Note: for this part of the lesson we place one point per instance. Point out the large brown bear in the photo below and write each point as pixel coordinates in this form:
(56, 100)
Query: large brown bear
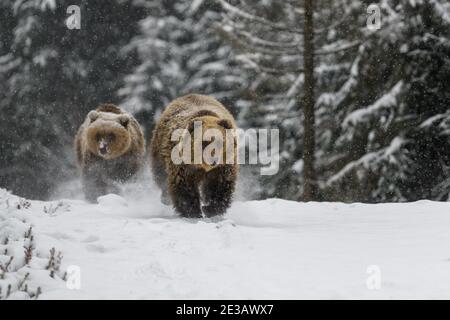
(194, 188)
(110, 148)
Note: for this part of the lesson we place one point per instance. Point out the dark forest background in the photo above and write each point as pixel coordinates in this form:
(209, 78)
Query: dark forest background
(364, 115)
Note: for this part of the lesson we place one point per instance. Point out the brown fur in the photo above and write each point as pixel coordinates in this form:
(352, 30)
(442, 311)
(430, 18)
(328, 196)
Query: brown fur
(108, 107)
(119, 134)
(188, 184)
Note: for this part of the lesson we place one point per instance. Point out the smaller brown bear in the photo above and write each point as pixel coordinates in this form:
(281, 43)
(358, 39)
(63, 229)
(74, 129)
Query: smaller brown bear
(195, 188)
(110, 148)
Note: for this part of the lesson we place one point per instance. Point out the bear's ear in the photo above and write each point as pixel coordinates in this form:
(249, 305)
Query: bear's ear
(225, 123)
(124, 120)
(93, 115)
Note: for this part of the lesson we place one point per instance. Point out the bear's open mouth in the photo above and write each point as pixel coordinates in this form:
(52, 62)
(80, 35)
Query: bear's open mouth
(103, 148)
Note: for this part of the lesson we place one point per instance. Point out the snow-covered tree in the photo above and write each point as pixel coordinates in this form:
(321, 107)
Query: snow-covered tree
(180, 52)
(392, 139)
(53, 76)
(295, 49)
(381, 95)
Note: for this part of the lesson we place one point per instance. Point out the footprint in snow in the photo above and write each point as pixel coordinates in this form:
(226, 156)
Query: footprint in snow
(225, 223)
(96, 248)
(90, 238)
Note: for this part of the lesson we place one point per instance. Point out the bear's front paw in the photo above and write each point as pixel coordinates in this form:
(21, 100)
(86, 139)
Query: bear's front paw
(188, 207)
(213, 210)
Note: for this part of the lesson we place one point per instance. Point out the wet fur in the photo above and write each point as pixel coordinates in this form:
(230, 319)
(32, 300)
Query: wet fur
(188, 185)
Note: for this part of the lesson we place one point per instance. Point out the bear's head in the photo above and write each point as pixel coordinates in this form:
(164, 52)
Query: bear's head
(213, 138)
(108, 134)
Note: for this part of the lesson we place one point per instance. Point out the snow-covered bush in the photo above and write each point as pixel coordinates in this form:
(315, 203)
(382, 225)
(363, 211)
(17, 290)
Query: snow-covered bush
(26, 269)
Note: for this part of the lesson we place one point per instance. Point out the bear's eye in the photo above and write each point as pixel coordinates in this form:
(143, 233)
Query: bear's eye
(111, 137)
(225, 124)
(98, 137)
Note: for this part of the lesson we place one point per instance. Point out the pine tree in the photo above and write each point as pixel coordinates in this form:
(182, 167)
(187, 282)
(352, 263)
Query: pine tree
(393, 141)
(292, 55)
(381, 107)
(180, 52)
(54, 76)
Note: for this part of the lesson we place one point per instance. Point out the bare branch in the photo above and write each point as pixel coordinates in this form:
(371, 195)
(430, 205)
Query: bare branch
(338, 48)
(275, 26)
(269, 70)
(238, 43)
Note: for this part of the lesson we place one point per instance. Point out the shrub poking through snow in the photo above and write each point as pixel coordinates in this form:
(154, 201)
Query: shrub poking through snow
(24, 271)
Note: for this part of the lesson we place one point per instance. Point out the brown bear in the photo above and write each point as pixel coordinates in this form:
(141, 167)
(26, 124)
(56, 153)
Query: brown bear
(195, 188)
(110, 148)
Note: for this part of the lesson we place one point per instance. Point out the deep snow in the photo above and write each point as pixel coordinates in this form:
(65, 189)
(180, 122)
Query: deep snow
(133, 247)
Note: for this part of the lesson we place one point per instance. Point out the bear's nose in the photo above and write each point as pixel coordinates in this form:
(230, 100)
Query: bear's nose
(215, 162)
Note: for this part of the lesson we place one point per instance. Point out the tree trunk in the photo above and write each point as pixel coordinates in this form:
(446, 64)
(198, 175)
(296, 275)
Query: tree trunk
(309, 175)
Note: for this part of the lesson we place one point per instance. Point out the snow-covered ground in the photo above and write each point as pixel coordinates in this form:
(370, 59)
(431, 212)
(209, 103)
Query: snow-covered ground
(135, 248)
